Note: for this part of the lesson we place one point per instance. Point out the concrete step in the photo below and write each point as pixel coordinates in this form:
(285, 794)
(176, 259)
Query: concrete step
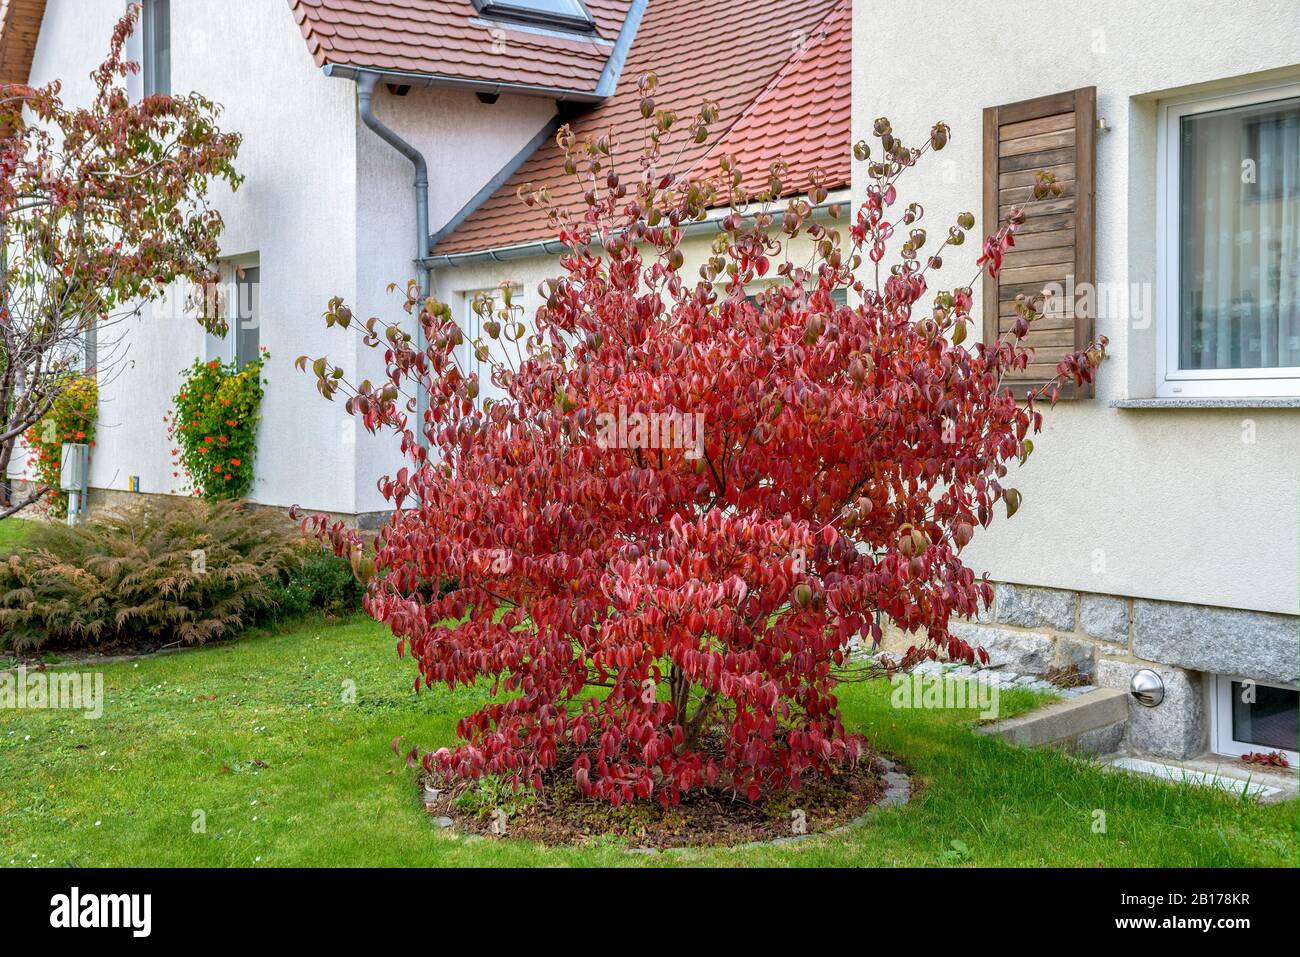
(1092, 723)
(1215, 771)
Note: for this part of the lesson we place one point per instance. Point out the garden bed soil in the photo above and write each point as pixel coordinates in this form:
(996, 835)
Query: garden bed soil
(706, 817)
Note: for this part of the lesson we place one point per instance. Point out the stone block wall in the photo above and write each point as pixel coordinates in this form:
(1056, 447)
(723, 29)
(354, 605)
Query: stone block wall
(1030, 629)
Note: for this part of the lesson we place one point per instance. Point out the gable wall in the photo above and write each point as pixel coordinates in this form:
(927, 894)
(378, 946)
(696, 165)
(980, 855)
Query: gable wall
(1177, 505)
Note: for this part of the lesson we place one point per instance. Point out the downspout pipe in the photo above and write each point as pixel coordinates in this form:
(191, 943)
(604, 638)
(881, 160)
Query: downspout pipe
(366, 83)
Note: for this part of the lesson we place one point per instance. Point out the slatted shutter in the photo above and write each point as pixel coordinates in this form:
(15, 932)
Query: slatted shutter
(1056, 243)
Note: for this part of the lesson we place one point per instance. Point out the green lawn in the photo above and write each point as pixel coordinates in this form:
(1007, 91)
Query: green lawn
(256, 736)
(12, 531)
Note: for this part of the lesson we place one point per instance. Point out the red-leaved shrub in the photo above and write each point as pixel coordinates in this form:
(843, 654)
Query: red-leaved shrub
(686, 486)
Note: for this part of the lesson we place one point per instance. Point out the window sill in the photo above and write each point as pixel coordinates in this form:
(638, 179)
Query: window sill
(1208, 402)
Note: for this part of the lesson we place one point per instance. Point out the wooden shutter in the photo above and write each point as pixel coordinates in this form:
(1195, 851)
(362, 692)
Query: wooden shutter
(1054, 133)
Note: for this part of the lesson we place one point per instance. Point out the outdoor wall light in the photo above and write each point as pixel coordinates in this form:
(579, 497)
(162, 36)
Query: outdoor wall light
(1148, 687)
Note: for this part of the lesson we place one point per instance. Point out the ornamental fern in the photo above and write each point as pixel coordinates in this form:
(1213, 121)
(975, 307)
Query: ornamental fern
(175, 572)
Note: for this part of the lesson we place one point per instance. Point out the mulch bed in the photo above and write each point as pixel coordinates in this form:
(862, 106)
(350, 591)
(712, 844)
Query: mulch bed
(713, 817)
(109, 653)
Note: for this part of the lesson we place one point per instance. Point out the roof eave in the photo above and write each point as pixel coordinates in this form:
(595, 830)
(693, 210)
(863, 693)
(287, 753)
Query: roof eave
(551, 247)
(404, 78)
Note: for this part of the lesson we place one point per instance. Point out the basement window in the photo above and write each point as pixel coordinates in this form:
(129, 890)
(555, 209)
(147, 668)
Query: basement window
(1250, 716)
(556, 14)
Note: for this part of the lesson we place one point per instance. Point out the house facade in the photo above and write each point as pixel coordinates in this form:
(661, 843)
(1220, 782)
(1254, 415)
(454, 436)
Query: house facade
(1160, 524)
(327, 207)
(1161, 520)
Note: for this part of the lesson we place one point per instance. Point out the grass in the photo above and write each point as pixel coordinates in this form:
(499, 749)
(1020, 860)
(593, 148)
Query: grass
(256, 740)
(12, 531)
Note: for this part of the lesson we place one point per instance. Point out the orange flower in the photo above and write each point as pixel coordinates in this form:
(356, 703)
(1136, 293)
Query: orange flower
(235, 462)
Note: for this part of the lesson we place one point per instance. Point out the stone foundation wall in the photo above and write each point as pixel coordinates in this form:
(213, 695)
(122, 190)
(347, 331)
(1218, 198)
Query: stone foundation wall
(1030, 630)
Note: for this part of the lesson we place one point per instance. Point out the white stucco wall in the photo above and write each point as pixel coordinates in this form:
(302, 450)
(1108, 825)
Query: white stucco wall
(1168, 504)
(295, 211)
(465, 142)
(326, 206)
(455, 284)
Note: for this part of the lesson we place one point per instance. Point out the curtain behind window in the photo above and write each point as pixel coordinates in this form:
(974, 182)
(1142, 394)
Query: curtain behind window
(1240, 244)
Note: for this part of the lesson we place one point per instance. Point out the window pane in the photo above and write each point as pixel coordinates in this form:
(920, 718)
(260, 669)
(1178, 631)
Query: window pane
(246, 314)
(570, 8)
(1270, 721)
(564, 13)
(1239, 257)
(157, 18)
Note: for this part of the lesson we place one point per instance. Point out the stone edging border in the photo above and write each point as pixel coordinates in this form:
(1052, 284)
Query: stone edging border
(898, 792)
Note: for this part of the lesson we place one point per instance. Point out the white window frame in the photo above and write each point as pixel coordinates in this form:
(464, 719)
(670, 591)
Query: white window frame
(1221, 739)
(1171, 381)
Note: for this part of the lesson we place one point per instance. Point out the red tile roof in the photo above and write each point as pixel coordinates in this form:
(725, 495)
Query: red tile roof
(780, 73)
(804, 117)
(447, 38)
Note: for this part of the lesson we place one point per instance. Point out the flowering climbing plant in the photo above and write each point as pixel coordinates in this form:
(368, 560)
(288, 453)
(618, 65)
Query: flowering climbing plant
(71, 419)
(657, 615)
(214, 427)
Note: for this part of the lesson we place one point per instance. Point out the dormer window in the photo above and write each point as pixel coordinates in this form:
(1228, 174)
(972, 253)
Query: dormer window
(556, 14)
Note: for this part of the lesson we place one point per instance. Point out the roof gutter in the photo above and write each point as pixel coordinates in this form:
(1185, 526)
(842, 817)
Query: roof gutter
(404, 78)
(553, 247)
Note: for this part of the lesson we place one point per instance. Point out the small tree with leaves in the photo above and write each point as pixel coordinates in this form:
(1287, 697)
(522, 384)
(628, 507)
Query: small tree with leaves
(102, 208)
(665, 537)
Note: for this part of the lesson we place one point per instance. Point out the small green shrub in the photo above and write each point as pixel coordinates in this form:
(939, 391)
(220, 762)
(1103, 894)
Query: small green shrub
(322, 583)
(489, 792)
(179, 571)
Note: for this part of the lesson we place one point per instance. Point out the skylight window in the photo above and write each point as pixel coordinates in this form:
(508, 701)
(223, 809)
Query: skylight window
(557, 14)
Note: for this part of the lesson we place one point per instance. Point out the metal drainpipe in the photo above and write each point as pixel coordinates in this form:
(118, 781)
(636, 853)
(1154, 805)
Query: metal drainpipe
(366, 83)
